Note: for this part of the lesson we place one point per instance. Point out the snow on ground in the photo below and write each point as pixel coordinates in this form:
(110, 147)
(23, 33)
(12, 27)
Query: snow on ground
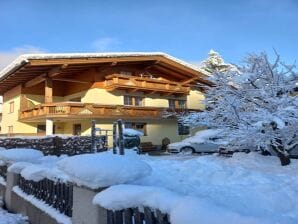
(247, 188)
(246, 184)
(103, 169)
(9, 218)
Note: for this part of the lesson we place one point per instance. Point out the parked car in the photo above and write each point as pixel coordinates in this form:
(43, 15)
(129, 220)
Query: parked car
(201, 142)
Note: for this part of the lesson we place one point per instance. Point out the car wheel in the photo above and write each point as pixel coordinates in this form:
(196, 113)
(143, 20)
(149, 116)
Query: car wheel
(187, 150)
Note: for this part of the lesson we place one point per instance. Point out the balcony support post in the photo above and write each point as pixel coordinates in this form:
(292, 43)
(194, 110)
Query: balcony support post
(49, 126)
(48, 90)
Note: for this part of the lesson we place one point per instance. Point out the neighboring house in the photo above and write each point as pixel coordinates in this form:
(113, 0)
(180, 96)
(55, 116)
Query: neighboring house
(62, 93)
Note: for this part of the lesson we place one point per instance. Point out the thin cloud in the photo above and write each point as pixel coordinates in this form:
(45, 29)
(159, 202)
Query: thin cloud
(7, 57)
(105, 44)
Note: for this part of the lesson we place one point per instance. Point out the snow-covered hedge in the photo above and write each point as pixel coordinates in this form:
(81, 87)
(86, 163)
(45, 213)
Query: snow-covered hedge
(103, 169)
(17, 155)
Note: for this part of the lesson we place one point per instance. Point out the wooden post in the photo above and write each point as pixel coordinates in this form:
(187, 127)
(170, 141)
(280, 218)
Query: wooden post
(48, 90)
(115, 138)
(121, 139)
(93, 136)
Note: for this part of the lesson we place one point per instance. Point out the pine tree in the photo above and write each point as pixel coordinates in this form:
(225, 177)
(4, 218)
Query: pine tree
(215, 63)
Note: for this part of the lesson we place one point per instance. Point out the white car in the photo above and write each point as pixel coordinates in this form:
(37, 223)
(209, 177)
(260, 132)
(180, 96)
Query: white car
(201, 142)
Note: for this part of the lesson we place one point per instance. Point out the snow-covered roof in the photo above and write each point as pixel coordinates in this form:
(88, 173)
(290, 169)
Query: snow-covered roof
(23, 59)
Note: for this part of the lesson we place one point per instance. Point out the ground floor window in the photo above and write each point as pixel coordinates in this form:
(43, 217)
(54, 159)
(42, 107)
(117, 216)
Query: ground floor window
(183, 129)
(77, 129)
(137, 126)
(10, 129)
(41, 128)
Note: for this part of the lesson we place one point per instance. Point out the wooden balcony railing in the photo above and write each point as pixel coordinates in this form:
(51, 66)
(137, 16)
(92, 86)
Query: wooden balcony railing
(88, 110)
(148, 85)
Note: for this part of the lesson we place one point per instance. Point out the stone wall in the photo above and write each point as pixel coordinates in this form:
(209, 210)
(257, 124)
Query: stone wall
(56, 145)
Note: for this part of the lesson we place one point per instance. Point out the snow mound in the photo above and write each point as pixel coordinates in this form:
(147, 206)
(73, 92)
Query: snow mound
(44, 167)
(181, 209)
(246, 184)
(18, 167)
(103, 169)
(18, 155)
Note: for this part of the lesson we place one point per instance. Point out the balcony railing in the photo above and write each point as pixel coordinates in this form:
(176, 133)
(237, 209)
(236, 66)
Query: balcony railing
(88, 110)
(148, 85)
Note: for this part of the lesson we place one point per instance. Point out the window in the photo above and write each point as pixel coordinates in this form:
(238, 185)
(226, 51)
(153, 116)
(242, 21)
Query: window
(126, 73)
(127, 100)
(172, 104)
(11, 107)
(77, 129)
(77, 99)
(177, 104)
(10, 129)
(142, 127)
(41, 128)
(182, 104)
(138, 101)
(183, 130)
(133, 101)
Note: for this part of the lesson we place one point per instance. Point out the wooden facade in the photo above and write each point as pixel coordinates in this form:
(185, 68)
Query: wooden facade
(50, 88)
(69, 110)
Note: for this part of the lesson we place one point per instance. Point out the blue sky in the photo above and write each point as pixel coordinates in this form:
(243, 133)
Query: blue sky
(185, 29)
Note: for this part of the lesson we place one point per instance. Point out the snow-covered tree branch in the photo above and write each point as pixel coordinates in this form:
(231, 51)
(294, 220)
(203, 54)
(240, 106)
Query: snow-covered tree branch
(255, 108)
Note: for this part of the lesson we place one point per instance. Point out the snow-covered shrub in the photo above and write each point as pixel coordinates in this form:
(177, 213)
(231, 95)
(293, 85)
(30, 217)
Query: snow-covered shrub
(103, 169)
(255, 108)
(18, 155)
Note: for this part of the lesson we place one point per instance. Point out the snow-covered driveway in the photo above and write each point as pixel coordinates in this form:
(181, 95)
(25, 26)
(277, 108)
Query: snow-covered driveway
(9, 218)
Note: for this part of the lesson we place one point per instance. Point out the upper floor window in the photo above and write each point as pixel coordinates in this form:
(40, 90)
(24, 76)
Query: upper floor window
(127, 73)
(177, 104)
(11, 107)
(77, 99)
(133, 101)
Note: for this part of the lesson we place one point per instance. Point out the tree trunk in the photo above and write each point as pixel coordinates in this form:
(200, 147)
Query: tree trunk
(284, 160)
(283, 157)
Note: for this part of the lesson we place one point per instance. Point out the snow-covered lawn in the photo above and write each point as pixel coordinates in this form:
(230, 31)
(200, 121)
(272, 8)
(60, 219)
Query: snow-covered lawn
(247, 184)
(9, 218)
(247, 188)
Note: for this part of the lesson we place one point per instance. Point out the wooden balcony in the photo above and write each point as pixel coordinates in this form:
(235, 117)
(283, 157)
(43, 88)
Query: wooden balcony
(147, 85)
(70, 110)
